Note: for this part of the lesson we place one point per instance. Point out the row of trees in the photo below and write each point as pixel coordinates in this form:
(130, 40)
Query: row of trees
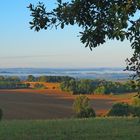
(10, 79)
(12, 82)
(70, 84)
(52, 79)
(13, 85)
(96, 86)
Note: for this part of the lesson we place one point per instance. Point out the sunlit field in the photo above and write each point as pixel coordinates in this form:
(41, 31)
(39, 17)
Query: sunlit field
(50, 103)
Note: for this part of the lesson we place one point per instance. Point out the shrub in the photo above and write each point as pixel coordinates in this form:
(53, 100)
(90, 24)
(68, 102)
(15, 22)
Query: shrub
(136, 106)
(135, 111)
(1, 114)
(99, 90)
(87, 113)
(136, 101)
(28, 85)
(120, 109)
(39, 86)
(82, 107)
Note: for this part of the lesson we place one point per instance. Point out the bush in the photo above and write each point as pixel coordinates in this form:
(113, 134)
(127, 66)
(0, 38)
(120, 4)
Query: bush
(120, 109)
(135, 111)
(136, 106)
(99, 90)
(88, 113)
(28, 85)
(82, 107)
(39, 86)
(1, 114)
(136, 101)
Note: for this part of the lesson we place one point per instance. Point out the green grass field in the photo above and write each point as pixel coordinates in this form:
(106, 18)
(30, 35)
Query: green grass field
(74, 129)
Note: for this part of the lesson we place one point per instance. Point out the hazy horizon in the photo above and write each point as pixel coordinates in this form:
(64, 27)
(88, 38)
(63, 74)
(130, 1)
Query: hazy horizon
(62, 67)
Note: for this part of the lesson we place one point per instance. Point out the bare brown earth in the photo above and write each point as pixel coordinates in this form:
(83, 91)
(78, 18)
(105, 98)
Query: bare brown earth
(48, 103)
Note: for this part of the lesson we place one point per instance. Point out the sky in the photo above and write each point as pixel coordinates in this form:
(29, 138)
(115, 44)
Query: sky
(21, 47)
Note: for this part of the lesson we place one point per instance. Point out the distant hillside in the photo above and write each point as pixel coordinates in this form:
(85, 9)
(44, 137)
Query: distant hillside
(90, 73)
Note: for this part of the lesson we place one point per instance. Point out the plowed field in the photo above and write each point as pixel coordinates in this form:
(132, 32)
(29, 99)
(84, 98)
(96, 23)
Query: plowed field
(46, 104)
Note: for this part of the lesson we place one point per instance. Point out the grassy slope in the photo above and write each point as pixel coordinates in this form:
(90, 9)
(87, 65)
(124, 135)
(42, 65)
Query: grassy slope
(90, 129)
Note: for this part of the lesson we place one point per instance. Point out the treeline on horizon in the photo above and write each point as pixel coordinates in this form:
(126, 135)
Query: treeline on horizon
(86, 86)
(12, 82)
(52, 79)
(15, 82)
(70, 84)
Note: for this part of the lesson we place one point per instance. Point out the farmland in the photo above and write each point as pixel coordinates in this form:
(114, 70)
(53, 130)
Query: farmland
(29, 104)
(47, 113)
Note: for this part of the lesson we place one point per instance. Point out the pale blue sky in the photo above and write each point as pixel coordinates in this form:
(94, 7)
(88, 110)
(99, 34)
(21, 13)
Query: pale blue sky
(22, 47)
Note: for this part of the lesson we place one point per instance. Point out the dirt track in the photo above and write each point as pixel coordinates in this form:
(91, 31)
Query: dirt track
(43, 104)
